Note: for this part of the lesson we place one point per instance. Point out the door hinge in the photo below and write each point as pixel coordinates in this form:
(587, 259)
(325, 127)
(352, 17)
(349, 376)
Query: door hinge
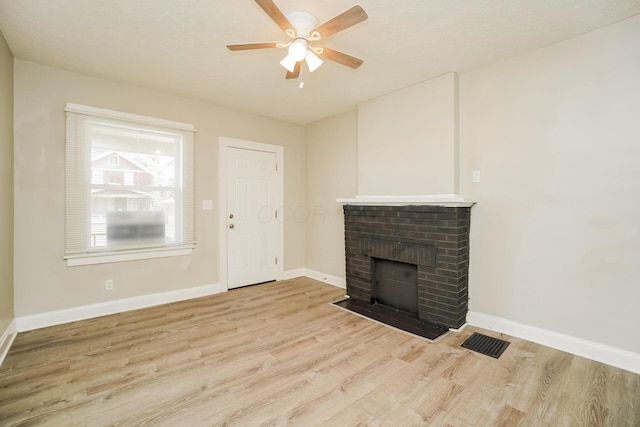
(276, 167)
(276, 214)
(276, 260)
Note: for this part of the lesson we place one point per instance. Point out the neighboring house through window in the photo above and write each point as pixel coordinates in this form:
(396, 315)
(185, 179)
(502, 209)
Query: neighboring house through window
(129, 186)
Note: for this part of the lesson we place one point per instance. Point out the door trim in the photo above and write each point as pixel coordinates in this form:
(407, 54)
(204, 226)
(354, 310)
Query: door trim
(224, 145)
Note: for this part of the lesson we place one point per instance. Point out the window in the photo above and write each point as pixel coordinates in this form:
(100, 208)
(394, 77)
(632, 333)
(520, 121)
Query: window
(129, 187)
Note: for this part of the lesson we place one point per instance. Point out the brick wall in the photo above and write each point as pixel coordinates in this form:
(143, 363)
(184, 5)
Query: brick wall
(434, 238)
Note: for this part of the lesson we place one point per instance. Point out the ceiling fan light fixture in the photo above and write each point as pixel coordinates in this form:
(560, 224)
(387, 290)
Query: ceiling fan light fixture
(289, 63)
(313, 62)
(298, 50)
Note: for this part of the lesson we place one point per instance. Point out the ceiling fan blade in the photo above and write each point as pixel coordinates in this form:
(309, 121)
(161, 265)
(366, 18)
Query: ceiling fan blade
(275, 14)
(346, 19)
(341, 58)
(296, 72)
(248, 46)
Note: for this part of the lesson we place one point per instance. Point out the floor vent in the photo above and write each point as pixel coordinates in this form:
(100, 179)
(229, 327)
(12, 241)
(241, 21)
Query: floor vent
(486, 345)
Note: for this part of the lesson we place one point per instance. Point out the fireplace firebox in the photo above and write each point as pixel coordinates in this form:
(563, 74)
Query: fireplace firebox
(396, 285)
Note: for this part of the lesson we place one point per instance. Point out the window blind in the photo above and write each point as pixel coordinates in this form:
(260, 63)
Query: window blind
(129, 182)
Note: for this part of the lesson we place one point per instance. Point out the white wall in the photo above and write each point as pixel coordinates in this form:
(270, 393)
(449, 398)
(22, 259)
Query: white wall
(43, 282)
(331, 173)
(555, 236)
(6, 187)
(408, 140)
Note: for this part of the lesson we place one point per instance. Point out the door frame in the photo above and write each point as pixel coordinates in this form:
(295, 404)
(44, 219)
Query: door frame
(224, 144)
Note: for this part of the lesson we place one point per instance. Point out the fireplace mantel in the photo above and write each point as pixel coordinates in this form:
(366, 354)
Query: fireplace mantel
(445, 200)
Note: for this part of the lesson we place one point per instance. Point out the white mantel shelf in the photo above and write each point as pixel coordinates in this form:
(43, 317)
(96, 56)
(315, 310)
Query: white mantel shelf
(446, 200)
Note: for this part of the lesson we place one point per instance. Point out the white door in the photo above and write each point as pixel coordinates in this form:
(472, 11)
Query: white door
(251, 217)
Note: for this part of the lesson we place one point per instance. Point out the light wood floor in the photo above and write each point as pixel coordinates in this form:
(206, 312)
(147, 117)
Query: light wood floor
(279, 354)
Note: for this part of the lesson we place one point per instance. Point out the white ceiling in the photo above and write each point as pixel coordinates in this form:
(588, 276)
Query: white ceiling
(179, 45)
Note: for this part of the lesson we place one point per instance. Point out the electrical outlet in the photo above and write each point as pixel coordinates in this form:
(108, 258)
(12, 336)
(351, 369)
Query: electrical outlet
(475, 176)
(108, 285)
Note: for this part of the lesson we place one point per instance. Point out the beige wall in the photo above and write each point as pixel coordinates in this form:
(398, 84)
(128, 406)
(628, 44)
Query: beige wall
(554, 132)
(408, 140)
(6, 186)
(331, 173)
(43, 282)
(555, 236)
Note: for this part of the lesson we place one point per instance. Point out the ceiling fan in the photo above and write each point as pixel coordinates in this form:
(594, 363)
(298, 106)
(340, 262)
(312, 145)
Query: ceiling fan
(303, 31)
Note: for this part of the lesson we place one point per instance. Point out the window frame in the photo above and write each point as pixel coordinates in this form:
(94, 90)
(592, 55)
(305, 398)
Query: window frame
(76, 113)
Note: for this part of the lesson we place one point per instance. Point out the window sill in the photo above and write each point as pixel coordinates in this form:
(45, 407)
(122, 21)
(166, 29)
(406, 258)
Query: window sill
(107, 257)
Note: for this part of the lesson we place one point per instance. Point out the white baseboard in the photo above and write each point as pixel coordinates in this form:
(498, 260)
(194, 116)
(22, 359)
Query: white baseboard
(292, 274)
(312, 274)
(42, 320)
(460, 329)
(7, 339)
(591, 350)
(326, 278)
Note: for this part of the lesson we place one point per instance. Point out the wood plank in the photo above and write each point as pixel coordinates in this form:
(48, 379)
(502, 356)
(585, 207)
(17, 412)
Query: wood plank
(280, 353)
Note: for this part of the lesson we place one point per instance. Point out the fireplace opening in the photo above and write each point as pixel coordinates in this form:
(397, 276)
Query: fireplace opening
(395, 285)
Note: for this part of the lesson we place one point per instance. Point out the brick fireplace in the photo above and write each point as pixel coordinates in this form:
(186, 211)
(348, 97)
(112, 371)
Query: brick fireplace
(435, 239)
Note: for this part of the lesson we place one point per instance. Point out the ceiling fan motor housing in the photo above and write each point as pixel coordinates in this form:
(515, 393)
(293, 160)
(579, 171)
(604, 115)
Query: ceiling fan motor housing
(303, 23)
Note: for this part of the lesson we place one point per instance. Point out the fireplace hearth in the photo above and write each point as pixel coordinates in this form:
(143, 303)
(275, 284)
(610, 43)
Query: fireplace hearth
(432, 241)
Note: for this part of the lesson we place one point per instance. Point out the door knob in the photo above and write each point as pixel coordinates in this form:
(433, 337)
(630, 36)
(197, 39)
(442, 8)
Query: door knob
(231, 216)
(231, 225)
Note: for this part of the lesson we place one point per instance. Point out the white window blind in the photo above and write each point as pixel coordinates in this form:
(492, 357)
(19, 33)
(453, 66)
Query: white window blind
(129, 183)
